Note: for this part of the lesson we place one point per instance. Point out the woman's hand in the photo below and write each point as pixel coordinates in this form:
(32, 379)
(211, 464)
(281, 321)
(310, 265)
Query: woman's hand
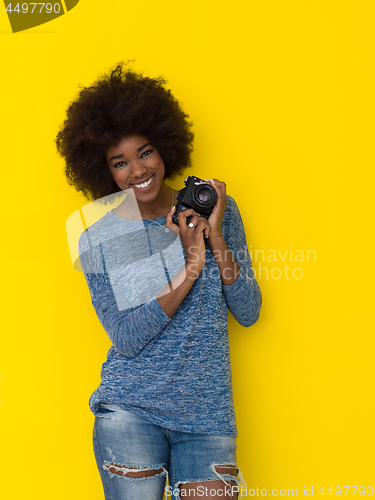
(216, 217)
(228, 267)
(192, 237)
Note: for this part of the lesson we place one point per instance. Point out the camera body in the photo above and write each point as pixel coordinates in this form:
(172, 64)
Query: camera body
(201, 198)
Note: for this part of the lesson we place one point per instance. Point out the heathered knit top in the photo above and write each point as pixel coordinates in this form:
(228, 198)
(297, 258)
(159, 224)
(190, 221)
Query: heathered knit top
(175, 372)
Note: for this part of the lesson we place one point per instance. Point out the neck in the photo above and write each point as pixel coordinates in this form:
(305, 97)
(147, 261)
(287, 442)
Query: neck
(158, 207)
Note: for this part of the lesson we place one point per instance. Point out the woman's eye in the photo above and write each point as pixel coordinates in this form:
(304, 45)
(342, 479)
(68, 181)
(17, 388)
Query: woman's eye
(120, 164)
(146, 153)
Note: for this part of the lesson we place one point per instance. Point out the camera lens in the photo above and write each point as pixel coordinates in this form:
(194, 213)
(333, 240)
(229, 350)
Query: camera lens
(204, 196)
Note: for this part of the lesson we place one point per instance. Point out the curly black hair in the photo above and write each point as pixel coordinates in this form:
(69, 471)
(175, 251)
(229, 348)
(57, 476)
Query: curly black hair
(118, 104)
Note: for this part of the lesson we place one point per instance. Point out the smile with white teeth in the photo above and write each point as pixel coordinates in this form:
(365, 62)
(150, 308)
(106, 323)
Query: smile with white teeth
(144, 184)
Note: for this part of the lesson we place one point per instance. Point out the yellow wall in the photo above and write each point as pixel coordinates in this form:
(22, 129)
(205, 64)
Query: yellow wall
(282, 98)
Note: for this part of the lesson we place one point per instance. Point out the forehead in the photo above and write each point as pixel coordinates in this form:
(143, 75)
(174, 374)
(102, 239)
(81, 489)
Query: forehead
(129, 144)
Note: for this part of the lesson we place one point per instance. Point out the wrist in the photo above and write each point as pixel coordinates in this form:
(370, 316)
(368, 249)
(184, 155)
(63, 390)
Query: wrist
(215, 238)
(193, 270)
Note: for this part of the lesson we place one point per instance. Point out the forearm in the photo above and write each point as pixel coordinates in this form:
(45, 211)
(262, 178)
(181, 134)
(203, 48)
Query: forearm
(228, 268)
(130, 330)
(171, 297)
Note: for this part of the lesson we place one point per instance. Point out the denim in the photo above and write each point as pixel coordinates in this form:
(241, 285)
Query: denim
(174, 371)
(125, 439)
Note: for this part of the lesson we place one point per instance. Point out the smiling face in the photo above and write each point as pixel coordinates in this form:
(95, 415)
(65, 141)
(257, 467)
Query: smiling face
(135, 164)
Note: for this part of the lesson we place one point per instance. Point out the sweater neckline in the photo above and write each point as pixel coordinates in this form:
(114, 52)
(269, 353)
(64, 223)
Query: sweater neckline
(162, 218)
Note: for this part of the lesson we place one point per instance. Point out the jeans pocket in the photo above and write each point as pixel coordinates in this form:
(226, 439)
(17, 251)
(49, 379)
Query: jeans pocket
(105, 410)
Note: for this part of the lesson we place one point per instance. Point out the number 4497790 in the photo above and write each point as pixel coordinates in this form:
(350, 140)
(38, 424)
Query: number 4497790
(362, 490)
(34, 7)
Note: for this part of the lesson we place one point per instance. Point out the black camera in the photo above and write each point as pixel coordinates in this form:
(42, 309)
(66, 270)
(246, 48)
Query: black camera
(201, 198)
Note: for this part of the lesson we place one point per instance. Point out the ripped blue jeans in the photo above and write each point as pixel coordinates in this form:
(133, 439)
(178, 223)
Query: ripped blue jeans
(127, 446)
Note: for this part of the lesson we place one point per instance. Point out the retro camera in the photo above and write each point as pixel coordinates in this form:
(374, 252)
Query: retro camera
(201, 198)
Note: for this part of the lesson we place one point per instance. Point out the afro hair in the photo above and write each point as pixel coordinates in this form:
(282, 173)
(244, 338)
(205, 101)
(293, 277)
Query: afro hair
(118, 104)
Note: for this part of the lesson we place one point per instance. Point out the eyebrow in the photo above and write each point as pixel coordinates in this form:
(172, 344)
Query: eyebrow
(144, 145)
(117, 157)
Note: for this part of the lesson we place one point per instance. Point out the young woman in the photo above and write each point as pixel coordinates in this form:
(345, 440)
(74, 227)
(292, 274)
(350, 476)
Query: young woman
(162, 291)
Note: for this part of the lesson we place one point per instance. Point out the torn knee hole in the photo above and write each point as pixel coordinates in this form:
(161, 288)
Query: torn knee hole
(226, 469)
(129, 471)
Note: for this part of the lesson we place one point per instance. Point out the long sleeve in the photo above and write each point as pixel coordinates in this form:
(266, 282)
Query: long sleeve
(131, 329)
(243, 297)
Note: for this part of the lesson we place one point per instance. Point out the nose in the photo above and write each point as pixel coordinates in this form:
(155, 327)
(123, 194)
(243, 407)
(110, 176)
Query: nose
(138, 169)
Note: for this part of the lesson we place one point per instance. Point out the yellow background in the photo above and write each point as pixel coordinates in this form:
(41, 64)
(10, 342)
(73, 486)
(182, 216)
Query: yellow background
(282, 99)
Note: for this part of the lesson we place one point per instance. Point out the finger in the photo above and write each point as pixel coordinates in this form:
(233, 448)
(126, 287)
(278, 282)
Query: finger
(169, 216)
(219, 186)
(169, 222)
(184, 214)
(207, 230)
(215, 182)
(194, 221)
(203, 227)
(202, 224)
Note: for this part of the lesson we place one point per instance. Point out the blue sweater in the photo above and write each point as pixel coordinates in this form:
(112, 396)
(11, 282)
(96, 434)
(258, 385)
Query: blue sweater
(175, 371)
